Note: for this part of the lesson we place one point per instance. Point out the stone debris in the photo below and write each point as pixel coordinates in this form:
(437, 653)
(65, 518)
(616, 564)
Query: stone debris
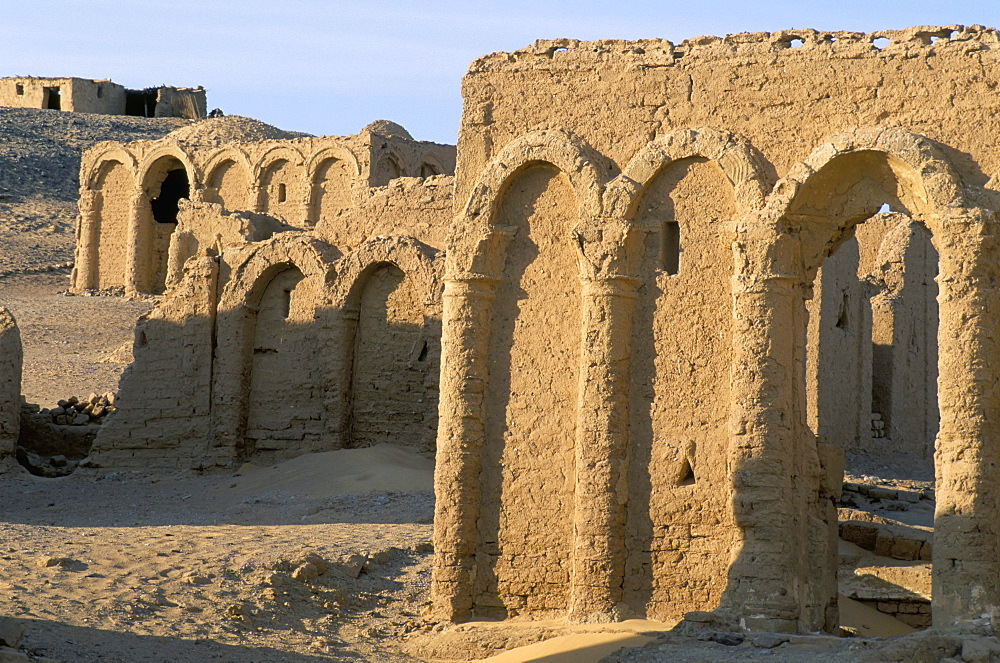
(11, 632)
(79, 411)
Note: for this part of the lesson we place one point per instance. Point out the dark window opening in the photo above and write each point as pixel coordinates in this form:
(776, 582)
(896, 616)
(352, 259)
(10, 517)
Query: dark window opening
(423, 352)
(427, 170)
(843, 318)
(53, 100)
(686, 476)
(100, 91)
(282, 192)
(286, 304)
(141, 103)
(174, 187)
(19, 89)
(670, 247)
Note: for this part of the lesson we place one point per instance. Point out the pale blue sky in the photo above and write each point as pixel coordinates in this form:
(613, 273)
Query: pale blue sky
(330, 67)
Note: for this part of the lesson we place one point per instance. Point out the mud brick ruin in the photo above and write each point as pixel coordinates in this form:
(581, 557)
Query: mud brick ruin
(104, 97)
(666, 289)
(11, 359)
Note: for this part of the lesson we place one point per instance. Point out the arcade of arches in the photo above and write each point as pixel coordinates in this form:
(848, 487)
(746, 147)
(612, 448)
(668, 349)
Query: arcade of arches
(670, 292)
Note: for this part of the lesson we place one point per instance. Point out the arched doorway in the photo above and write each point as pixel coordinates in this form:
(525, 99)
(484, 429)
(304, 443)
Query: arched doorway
(857, 201)
(525, 555)
(165, 183)
(393, 392)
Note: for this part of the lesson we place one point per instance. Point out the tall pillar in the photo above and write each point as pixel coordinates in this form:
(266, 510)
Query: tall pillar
(86, 260)
(339, 408)
(139, 240)
(601, 490)
(966, 573)
(767, 428)
(467, 312)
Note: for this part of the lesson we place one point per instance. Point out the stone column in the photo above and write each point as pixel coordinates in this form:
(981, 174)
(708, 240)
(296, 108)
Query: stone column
(88, 237)
(139, 240)
(966, 574)
(468, 307)
(601, 491)
(339, 411)
(766, 578)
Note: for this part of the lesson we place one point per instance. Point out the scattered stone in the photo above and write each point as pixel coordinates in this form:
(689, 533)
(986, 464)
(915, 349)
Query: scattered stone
(63, 562)
(699, 616)
(728, 639)
(11, 632)
(8, 655)
(196, 579)
(980, 650)
(769, 640)
(351, 566)
(305, 572)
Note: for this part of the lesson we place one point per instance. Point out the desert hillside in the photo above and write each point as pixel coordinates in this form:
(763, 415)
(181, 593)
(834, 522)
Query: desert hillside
(39, 177)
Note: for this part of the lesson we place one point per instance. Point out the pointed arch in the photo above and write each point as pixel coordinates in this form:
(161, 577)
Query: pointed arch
(145, 170)
(569, 154)
(387, 164)
(332, 173)
(272, 321)
(281, 191)
(94, 161)
(428, 165)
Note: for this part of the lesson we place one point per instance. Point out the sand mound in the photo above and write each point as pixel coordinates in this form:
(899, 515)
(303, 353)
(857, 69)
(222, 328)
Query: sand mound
(218, 131)
(868, 622)
(388, 129)
(384, 467)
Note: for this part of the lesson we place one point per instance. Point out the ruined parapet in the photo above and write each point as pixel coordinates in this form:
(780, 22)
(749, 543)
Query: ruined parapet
(130, 193)
(207, 228)
(184, 102)
(164, 397)
(11, 358)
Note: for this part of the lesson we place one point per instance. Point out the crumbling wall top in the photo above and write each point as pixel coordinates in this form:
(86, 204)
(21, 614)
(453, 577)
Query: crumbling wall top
(661, 52)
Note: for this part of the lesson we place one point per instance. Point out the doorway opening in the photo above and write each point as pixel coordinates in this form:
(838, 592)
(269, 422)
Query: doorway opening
(53, 99)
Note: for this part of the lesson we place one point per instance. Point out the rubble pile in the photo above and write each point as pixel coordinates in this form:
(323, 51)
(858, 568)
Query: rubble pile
(76, 411)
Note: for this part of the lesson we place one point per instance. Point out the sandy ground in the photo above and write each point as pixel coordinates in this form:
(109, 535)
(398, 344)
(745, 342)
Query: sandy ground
(309, 560)
(73, 345)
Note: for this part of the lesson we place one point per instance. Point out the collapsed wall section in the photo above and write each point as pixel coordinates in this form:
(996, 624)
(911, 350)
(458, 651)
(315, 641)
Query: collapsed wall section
(163, 417)
(408, 206)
